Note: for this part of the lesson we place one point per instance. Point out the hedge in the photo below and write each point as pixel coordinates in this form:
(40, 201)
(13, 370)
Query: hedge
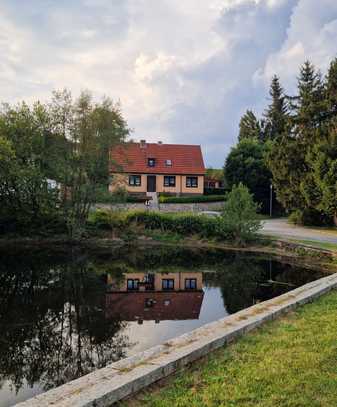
(191, 199)
(185, 224)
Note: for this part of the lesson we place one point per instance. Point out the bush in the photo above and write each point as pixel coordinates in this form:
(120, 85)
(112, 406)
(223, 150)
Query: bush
(309, 217)
(238, 222)
(191, 199)
(103, 196)
(184, 224)
(239, 215)
(215, 191)
(296, 217)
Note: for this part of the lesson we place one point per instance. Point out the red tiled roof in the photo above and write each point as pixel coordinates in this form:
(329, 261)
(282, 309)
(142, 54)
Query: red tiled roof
(130, 306)
(133, 158)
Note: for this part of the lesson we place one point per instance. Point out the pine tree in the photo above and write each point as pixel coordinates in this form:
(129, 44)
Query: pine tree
(288, 159)
(249, 126)
(309, 104)
(275, 117)
(331, 90)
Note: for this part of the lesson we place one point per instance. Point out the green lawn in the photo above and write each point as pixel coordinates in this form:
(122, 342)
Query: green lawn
(288, 362)
(316, 243)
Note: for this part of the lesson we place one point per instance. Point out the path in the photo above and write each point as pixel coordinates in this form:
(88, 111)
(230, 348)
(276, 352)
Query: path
(153, 203)
(281, 227)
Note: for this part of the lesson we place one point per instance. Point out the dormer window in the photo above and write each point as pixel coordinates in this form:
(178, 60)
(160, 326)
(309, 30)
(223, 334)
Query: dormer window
(151, 162)
(168, 163)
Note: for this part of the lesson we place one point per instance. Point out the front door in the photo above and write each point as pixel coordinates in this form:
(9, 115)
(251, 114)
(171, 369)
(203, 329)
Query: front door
(151, 183)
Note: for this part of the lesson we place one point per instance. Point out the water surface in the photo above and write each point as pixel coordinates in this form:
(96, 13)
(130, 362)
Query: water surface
(66, 313)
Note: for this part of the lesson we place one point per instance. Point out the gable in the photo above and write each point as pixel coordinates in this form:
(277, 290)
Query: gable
(134, 158)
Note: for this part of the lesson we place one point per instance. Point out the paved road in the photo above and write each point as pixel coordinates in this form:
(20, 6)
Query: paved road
(280, 227)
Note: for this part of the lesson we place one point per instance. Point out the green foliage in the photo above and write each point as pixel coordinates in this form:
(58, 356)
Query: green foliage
(239, 215)
(183, 224)
(215, 173)
(27, 202)
(300, 132)
(64, 141)
(249, 126)
(275, 117)
(246, 164)
(191, 199)
(238, 222)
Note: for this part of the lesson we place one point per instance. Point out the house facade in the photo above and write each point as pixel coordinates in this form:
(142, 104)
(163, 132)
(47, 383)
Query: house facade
(156, 167)
(155, 297)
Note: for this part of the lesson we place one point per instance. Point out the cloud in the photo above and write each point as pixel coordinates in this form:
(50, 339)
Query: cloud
(311, 34)
(184, 70)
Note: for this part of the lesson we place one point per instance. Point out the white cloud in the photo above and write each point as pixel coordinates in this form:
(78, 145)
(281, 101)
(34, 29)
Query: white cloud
(184, 70)
(311, 35)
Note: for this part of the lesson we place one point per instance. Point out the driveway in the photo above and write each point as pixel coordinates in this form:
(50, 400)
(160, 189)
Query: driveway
(281, 228)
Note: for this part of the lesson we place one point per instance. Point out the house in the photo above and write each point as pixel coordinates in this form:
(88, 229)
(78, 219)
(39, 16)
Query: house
(157, 282)
(155, 296)
(214, 179)
(156, 167)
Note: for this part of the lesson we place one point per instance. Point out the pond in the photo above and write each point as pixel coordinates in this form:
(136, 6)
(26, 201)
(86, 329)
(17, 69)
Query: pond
(68, 312)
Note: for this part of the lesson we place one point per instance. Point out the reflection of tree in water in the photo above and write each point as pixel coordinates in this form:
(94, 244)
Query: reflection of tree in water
(245, 280)
(52, 321)
(53, 325)
(238, 279)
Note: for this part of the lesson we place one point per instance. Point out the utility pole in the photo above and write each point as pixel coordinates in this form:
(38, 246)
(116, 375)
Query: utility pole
(271, 200)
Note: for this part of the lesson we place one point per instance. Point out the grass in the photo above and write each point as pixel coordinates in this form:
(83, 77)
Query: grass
(290, 362)
(318, 244)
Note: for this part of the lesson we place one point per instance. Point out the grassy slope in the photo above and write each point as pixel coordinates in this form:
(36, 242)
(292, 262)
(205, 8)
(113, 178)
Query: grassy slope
(288, 362)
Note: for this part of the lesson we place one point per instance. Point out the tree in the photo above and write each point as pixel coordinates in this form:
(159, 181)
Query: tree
(323, 155)
(239, 215)
(246, 164)
(66, 141)
(275, 117)
(249, 126)
(287, 159)
(26, 200)
(90, 130)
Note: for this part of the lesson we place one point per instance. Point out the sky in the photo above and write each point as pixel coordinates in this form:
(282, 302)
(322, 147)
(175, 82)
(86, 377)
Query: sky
(184, 71)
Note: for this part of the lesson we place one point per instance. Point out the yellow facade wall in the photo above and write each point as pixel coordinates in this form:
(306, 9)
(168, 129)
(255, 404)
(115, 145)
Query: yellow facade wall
(179, 280)
(122, 180)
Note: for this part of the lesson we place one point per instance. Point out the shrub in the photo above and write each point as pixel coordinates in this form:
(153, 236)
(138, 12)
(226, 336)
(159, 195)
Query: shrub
(296, 217)
(309, 217)
(238, 223)
(239, 215)
(191, 199)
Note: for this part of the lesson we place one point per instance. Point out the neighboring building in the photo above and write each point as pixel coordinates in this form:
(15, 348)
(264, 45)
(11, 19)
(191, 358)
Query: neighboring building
(159, 296)
(157, 167)
(214, 179)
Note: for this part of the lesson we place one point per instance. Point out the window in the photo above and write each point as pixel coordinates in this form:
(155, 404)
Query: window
(168, 163)
(168, 284)
(132, 284)
(151, 162)
(169, 181)
(191, 182)
(190, 283)
(135, 180)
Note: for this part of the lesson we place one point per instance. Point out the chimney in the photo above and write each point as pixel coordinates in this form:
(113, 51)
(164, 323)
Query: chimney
(160, 142)
(142, 143)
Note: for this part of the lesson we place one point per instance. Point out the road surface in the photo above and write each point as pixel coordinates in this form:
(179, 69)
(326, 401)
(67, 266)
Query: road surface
(281, 228)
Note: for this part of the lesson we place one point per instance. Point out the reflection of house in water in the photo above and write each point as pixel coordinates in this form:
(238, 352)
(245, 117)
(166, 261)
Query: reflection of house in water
(158, 297)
